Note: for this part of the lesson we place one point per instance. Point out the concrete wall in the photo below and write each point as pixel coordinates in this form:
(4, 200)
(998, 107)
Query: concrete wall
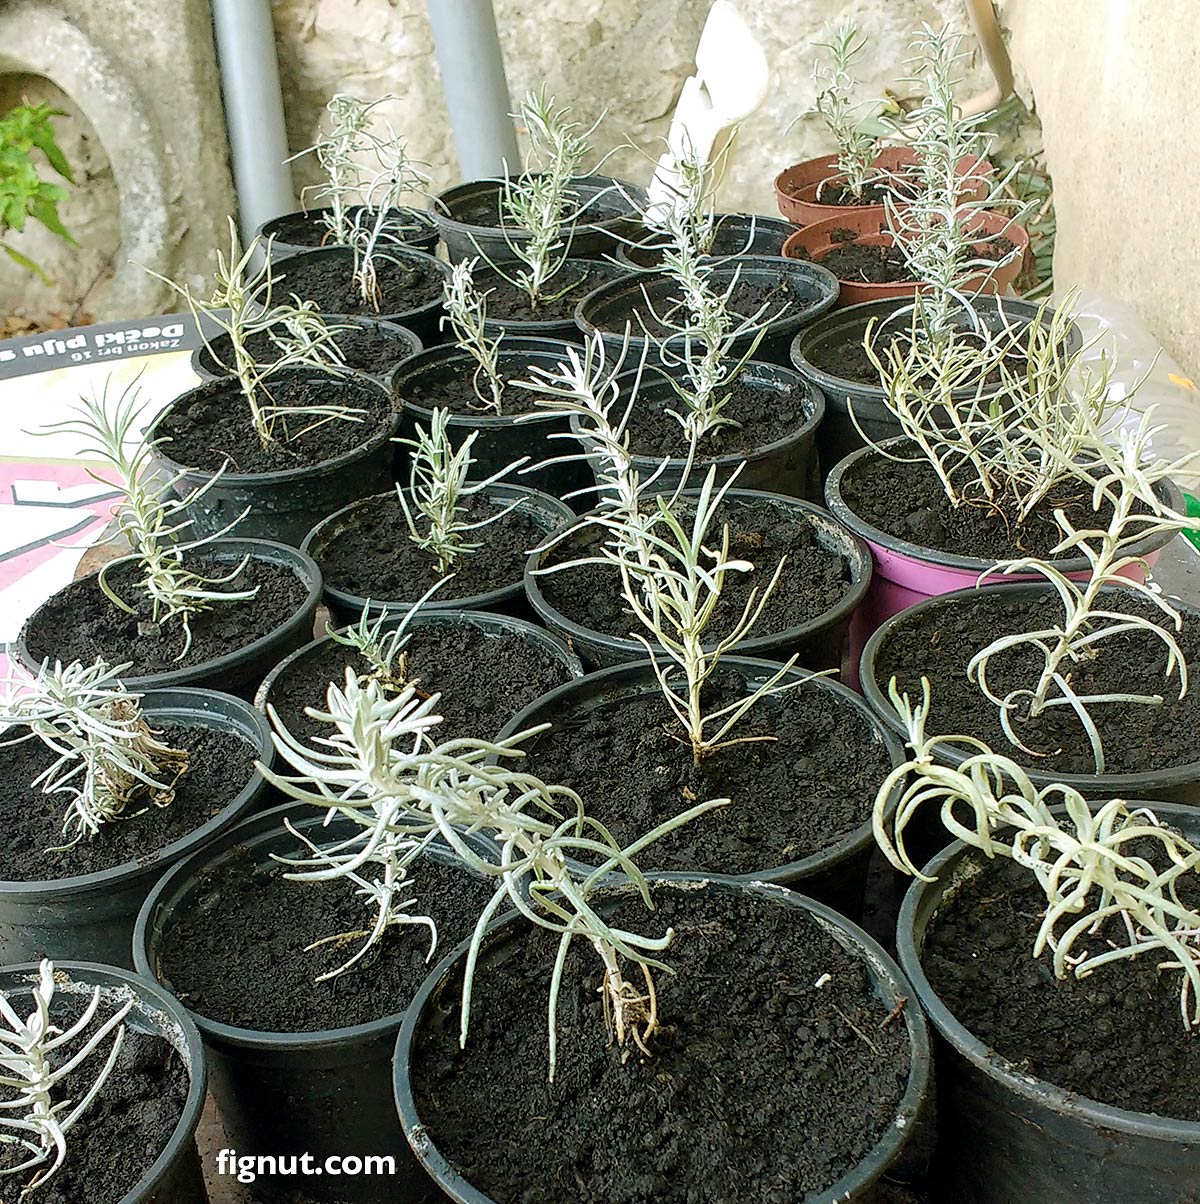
(1113, 82)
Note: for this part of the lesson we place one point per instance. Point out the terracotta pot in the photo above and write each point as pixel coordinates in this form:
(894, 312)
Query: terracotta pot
(796, 186)
(870, 225)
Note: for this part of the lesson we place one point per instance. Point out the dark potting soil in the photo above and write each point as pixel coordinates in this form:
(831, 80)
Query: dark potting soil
(404, 285)
(763, 413)
(749, 298)
(507, 303)
(117, 1139)
(1116, 1037)
(814, 579)
(81, 623)
(373, 556)
(365, 348)
(939, 644)
(807, 781)
(730, 239)
(761, 1086)
(211, 427)
(309, 230)
(237, 954)
(484, 680)
(906, 500)
(220, 765)
(833, 192)
(449, 385)
(483, 209)
(862, 263)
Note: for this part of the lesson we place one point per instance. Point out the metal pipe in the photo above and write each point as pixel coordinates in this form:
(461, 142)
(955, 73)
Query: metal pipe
(472, 66)
(245, 38)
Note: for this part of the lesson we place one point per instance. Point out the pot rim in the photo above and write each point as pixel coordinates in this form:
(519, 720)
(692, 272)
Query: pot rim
(1114, 785)
(301, 565)
(1025, 1086)
(882, 969)
(853, 551)
(838, 506)
(543, 505)
(174, 704)
(641, 674)
(152, 997)
(284, 476)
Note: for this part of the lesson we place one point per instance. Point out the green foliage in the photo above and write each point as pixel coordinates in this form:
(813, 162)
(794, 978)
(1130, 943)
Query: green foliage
(23, 193)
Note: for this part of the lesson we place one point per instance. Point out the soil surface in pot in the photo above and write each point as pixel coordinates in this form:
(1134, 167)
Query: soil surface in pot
(1116, 1036)
(760, 1085)
(805, 782)
(483, 209)
(367, 348)
(814, 579)
(116, 1141)
(939, 644)
(310, 230)
(862, 263)
(81, 623)
(783, 299)
(374, 556)
(906, 500)
(239, 958)
(484, 680)
(833, 192)
(507, 303)
(404, 285)
(211, 427)
(728, 240)
(449, 386)
(762, 412)
(220, 764)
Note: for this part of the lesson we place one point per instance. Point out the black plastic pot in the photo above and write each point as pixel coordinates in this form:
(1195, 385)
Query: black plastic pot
(839, 435)
(819, 644)
(612, 307)
(236, 672)
(423, 320)
(305, 230)
(837, 875)
(490, 623)
(322, 1093)
(466, 216)
(548, 513)
(735, 234)
(174, 1177)
(503, 438)
(208, 357)
(1179, 783)
(551, 328)
(282, 505)
(856, 1187)
(1005, 1135)
(786, 465)
(90, 917)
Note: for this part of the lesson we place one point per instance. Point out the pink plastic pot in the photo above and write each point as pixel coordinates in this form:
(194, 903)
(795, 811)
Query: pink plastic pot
(907, 573)
(797, 187)
(870, 228)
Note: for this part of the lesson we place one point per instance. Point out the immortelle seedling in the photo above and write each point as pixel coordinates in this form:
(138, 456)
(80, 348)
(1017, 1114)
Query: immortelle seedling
(434, 504)
(243, 306)
(111, 765)
(23, 193)
(537, 208)
(1125, 474)
(857, 145)
(381, 769)
(150, 520)
(934, 220)
(368, 176)
(36, 1059)
(1107, 898)
(466, 315)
